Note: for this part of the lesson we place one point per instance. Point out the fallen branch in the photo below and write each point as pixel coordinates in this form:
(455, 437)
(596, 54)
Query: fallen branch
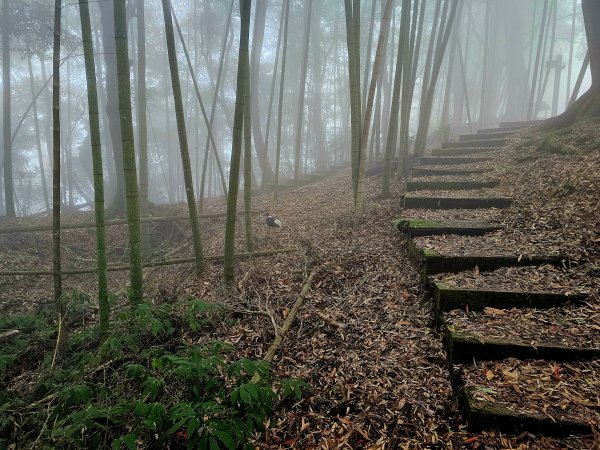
(287, 324)
(329, 321)
(8, 333)
(74, 226)
(123, 267)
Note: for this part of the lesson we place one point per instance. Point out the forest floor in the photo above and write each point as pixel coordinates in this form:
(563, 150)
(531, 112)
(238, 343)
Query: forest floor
(363, 340)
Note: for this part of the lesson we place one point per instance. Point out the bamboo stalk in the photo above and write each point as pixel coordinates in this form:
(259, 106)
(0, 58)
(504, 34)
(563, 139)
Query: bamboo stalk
(117, 268)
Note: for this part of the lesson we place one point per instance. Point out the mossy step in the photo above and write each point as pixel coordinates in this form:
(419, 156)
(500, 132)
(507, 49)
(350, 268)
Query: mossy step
(419, 227)
(486, 131)
(450, 185)
(450, 160)
(464, 348)
(455, 202)
(433, 262)
(482, 414)
(447, 298)
(462, 151)
(495, 133)
(475, 143)
(433, 172)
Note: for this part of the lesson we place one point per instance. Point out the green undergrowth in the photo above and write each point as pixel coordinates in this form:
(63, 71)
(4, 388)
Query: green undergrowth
(143, 386)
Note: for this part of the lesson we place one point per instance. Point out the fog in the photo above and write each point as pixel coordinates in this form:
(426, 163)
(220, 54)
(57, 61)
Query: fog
(498, 42)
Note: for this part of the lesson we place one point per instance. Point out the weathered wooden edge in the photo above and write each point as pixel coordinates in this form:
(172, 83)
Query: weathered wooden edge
(447, 298)
(463, 347)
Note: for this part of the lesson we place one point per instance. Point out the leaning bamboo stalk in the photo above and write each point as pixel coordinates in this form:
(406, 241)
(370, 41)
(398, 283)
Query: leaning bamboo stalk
(287, 324)
(172, 262)
(183, 143)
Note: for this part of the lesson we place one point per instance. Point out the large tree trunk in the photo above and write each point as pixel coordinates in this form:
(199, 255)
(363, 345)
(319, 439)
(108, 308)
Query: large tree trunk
(588, 105)
(591, 18)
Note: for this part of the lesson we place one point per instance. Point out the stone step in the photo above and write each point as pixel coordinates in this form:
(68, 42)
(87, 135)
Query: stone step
(419, 227)
(466, 151)
(455, 202)
(463, 347)
(495, 133)
(523, 124)
(447, 298)
(491, 143)
(433, 262)
(512, 130)
(432, 171)
(450, 160)
(450, 185)
(484, 414)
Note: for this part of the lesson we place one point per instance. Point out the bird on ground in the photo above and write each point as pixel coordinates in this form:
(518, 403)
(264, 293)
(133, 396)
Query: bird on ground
(272, 222)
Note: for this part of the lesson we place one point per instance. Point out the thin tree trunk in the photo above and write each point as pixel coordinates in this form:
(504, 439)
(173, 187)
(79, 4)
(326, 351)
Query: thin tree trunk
(408, 90)
(142, 123)
(579, 82)
(127, 144)
(571, 52)
(424, 119)
(248, 166)
(359, 205)
(183, 143)
(90, 69)
(536, 66)
(354, 84)
(9, 194)
(368, 53)
(301, 95)
(56, 262)
(213, 109)
(544, 85)
(257, 45)
(201, 103)
(392, 136)
(286, 6)
(430, 52)
(238, 122)
(272, 93)
(38, 139)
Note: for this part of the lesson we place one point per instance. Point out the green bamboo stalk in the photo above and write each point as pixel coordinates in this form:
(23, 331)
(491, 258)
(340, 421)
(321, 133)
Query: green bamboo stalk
(129, 166)
(92, 93)
(236, 151)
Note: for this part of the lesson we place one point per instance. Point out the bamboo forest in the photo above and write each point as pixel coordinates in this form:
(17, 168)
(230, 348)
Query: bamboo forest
(300, 224)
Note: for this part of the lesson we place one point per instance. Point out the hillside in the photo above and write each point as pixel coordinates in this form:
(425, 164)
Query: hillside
(363, 341)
